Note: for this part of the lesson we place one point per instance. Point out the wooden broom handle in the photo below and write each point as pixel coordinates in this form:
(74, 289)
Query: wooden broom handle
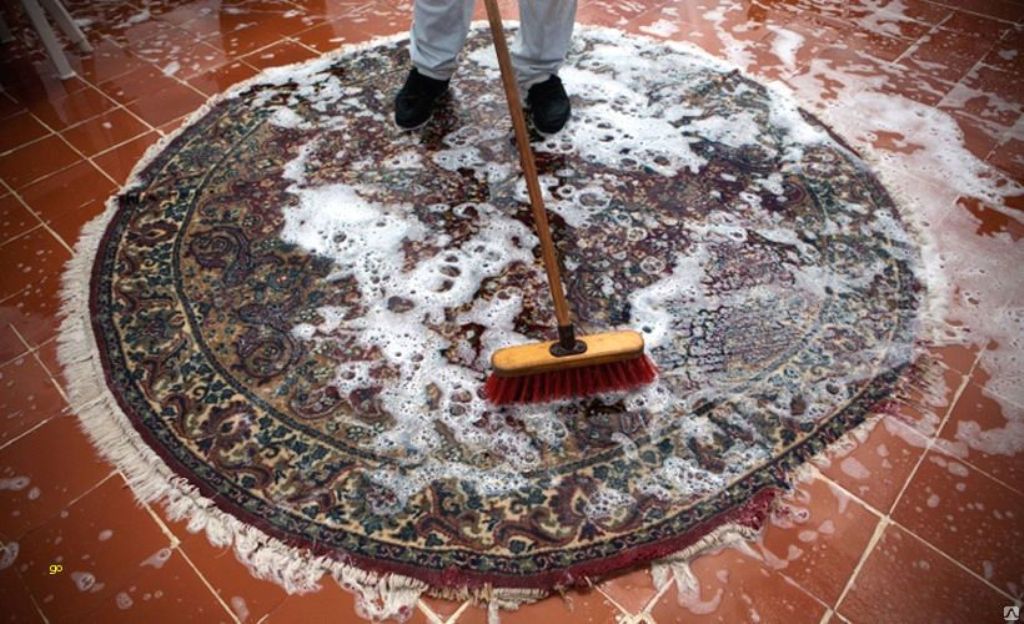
(540, 216)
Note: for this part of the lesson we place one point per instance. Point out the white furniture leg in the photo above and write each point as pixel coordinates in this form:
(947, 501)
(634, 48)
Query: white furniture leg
(66, 23)
(53, 48)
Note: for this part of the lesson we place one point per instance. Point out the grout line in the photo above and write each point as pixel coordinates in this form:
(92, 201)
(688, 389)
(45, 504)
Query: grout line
(166, 530)
(91, 489)
(622, 608)
(875, 537)
(7, 443)
(34, 352)
(209, 586)
(453, 618)
(938, 429)
(17, 147)
(24, 233)
(428, 612)
(970, 12)
(914, 47)
(884, 517)
(42, 223)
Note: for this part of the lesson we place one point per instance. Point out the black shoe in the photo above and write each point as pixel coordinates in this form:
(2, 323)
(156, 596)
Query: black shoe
(549, 105)
(414, 103)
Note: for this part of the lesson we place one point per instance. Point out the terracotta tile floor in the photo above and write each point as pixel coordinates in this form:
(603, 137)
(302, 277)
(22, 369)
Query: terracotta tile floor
(905, 523)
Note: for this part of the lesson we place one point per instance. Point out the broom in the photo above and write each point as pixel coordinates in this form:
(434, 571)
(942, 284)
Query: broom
(570, 366)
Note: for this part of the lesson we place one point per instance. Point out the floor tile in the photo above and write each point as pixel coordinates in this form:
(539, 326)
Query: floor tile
(165, 45)
(67, 200)
(947, 54)
(9, 106)
(282, 53)
(988, 94)
(15, 219)
(19, 129)
(969, 517)
(604, 12)
(729, 586)
(107, 62)
(992, 221)
(1007, 53)
(27, 397)
(33, 310)
(1009, 156)
(980, 430)
(443, 609)
(975, 24)
(171, 593)
(876, 469)
(166, 104)
(235, 584)
(35, 259)
(28, 163)
(631, 590)
(138, 83)
(980, 135)
(58, 111)
(1002, 9)
(576, 606)
(905, 581)
(51, 466)
(103, 541)
(219, 79)
(11, 346)
(100, 133)
(46, 353)
(959, 357)
(18, 607)
(332, 35)
(120, 161)
(248, 30)
(328, 605)
(817, 538)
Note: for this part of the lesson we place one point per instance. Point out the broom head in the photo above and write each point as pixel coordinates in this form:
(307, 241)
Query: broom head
(530, 373)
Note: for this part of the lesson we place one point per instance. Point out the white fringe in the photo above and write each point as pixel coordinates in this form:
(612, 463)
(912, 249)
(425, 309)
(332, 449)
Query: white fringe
(380, 596)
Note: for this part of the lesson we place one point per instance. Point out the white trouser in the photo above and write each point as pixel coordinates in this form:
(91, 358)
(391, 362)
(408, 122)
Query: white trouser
(439, 29)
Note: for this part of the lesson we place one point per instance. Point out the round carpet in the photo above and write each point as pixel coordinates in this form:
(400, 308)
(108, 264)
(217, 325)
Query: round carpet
(294, 305)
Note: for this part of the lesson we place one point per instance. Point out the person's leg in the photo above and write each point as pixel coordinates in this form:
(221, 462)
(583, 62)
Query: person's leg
(545, 32)
(543, 41)
(439, 29)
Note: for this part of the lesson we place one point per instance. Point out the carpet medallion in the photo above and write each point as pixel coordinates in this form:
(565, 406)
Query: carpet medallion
(294, 305)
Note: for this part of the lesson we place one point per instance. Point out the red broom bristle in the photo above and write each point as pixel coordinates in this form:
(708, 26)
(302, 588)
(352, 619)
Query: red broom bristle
(576, 382)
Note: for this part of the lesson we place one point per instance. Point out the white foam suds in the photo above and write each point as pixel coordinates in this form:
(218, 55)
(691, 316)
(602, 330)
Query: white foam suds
(15, 484)
(785, 45)
(854, 468)
(123, 601)
(689, 594)
(8, 554)
(157, 559)
(240, 608)
(86, 582)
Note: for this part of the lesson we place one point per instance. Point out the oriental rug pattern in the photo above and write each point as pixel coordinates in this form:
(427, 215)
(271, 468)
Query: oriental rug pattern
(295, 303)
